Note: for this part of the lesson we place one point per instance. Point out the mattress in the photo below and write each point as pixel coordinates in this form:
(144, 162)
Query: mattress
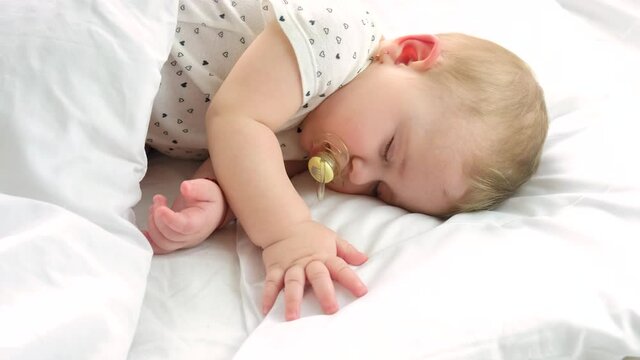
(550, 274)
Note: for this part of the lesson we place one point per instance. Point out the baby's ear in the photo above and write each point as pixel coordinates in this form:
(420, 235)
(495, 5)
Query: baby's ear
(417, 51)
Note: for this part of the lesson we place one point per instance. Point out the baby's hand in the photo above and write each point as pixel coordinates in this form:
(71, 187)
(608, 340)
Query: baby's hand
(315, 254)
(195, 214)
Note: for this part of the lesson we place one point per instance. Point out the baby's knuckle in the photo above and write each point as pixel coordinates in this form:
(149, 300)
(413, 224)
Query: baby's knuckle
(273, 276)
(293, 281)
(341, 268)
(315, 270)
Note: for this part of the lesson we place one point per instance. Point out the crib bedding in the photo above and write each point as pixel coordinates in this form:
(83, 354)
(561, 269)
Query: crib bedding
(550, 274)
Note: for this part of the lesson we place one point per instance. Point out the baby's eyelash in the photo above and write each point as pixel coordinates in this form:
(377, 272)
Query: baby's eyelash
(376, 189)
(386, 149)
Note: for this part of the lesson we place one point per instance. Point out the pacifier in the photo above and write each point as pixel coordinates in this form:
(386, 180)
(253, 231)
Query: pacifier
(330, 158)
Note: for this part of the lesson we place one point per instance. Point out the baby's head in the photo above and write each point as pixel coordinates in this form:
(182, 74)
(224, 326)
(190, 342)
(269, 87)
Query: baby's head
(505, 113)
(437, 124)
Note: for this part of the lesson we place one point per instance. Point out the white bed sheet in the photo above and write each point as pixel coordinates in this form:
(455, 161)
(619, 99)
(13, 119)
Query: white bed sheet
(550, 274)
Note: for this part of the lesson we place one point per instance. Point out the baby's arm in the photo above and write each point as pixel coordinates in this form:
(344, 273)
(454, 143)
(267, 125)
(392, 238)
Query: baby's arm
(261, 93)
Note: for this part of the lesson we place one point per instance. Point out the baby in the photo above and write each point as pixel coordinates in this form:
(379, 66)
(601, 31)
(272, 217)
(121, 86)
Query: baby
(437, 124)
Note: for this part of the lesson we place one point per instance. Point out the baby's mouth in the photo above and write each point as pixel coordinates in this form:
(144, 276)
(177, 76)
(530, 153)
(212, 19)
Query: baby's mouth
(329, 159)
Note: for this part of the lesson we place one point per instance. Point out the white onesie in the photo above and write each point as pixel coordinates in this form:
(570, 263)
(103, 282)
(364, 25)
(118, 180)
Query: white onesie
(333, 41)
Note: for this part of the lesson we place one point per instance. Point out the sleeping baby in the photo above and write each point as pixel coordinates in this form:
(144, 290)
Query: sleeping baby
(263, 90)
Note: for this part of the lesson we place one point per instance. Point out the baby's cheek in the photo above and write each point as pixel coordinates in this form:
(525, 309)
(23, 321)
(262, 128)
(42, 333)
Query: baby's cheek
(348, 188)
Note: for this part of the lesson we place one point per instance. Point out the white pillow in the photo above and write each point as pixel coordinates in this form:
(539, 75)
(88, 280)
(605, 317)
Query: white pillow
(77, 81)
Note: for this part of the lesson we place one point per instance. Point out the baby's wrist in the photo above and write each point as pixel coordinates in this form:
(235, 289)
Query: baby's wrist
(279, 235)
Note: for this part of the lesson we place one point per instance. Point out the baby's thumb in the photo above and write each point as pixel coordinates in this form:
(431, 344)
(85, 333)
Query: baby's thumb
(199, 190)
(350, 254)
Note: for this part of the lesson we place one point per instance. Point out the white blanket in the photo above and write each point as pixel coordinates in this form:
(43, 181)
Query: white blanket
(551, 274)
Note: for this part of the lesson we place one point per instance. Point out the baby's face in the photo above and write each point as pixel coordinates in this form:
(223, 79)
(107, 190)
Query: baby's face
(405, 146)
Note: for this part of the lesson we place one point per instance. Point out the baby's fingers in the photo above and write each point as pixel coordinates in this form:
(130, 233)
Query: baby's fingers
(294, 280)
(159, 243)
(273, 283)
(175, 224)
(156, 249)
(320, 280)
(166, 227)
(349, 253)
(158, 200)
(163, 218)
(345, 276)
(200, 190)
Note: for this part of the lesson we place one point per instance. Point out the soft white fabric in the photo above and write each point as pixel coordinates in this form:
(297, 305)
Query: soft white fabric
(77, 80)
(620, 18)
(68, 287)
(551, 274)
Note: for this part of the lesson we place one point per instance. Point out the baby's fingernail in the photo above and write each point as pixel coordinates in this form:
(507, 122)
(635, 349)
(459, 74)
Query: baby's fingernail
(292, 315)
(362, 289)
(332, 309)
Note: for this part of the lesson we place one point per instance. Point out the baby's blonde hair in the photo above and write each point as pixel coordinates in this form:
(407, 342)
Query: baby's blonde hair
(495, 89)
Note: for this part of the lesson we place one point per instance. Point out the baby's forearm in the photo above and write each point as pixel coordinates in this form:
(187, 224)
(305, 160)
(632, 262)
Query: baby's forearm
(248, 162)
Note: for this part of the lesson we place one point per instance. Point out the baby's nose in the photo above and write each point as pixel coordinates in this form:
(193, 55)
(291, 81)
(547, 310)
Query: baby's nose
(360, 173)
